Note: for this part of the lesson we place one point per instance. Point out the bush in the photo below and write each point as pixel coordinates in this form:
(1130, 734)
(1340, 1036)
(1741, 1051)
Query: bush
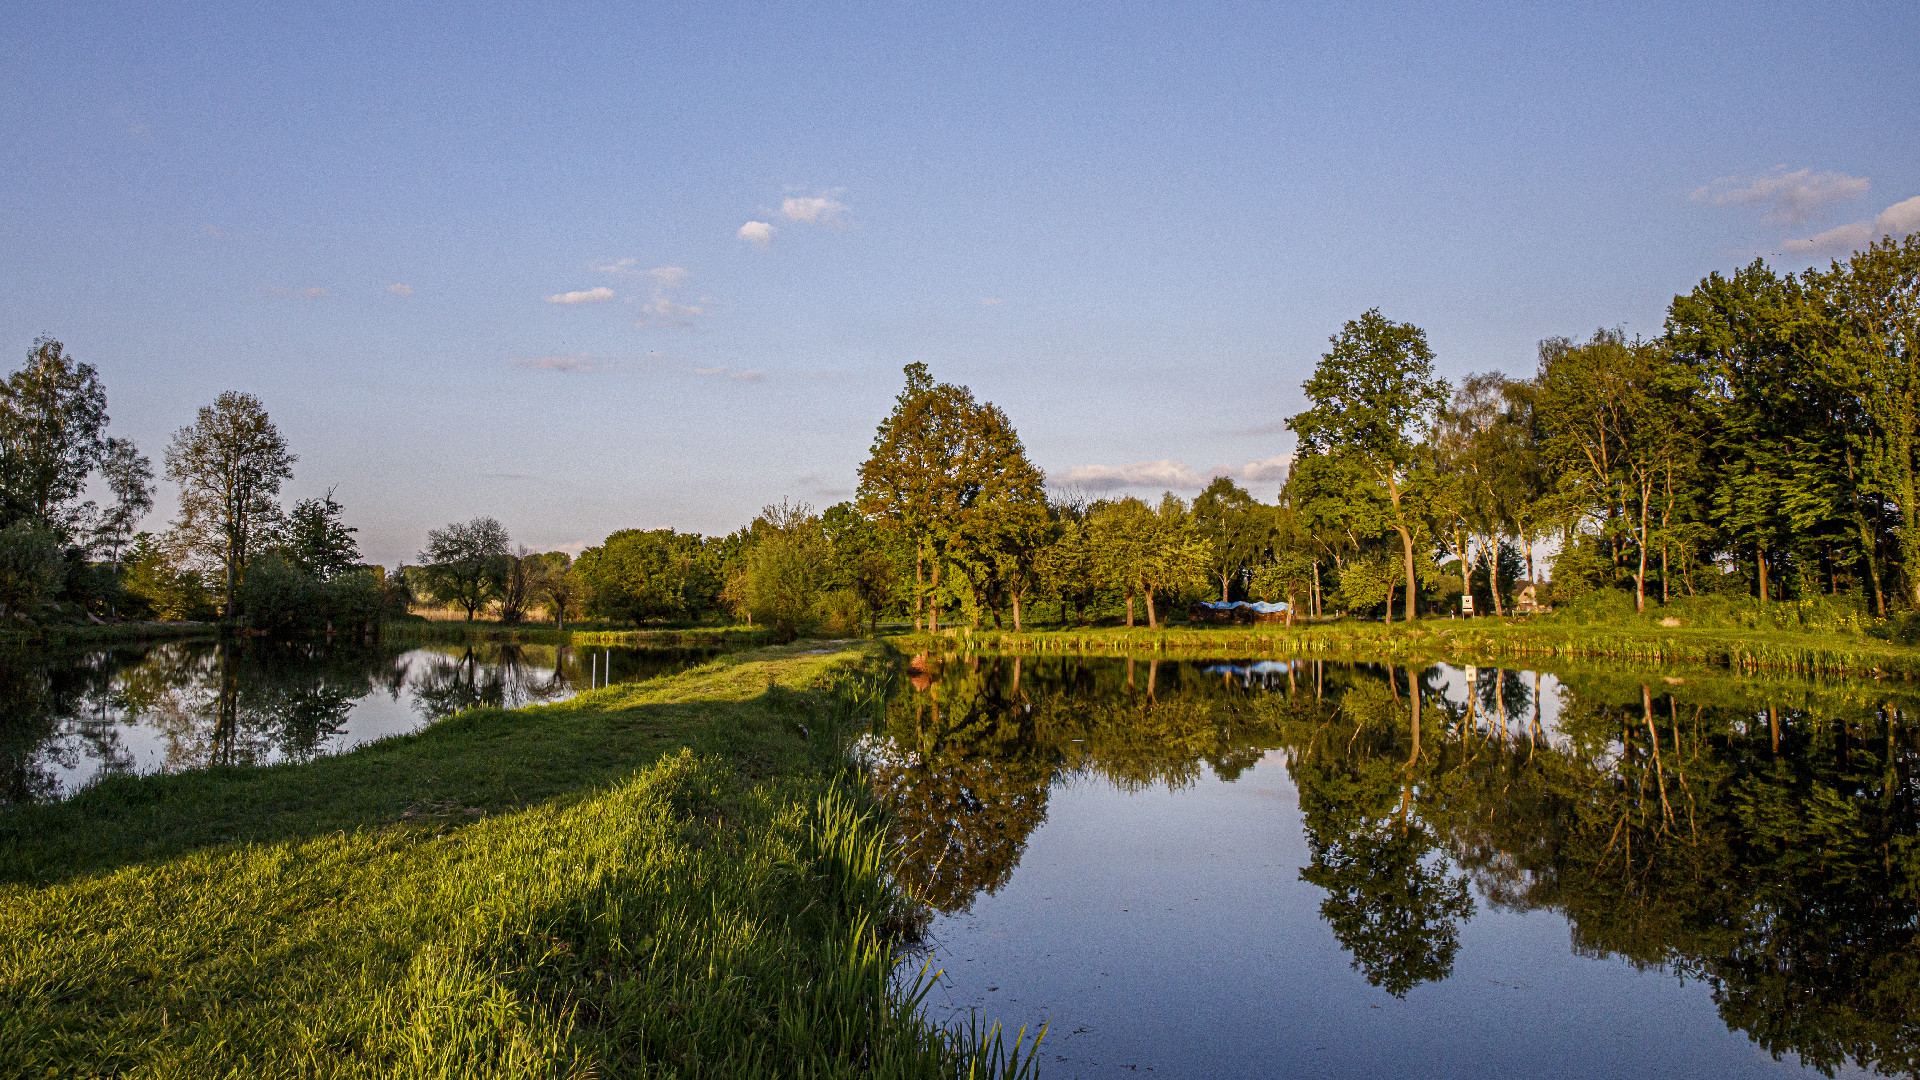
(32, 568)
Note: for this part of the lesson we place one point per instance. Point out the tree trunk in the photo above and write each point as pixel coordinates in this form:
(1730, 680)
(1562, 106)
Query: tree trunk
(1129, 609)
(1016, 618)
(919, 585)
(1640, 575)
(933, 601)
(1867, 548)
(1493, 579)
(1760, 560)
(1153, 623)
(1466, 578)
(1223, 586)
(1406, 544)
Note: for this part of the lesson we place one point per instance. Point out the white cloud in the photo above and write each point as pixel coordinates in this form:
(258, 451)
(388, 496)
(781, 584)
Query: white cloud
(1896, 221)
(1168, 475)
(663, 309)
(577, 363)
(1791, 197)
(617, 267)
(1263, 470)
(400, 290)
(585, 296)
(1165, 473)
(992, 301)
(1278, 427)
(314, 293)
(758, 233)
(814, 210)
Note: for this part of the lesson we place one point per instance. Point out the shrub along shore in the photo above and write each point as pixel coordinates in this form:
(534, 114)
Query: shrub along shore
(1484, 640)
(669, 878)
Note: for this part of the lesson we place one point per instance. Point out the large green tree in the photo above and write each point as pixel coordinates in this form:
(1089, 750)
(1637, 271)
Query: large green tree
(1375, 397)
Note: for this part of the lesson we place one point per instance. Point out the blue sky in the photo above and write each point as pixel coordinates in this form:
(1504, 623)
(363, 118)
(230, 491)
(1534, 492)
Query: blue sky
(1131, 226)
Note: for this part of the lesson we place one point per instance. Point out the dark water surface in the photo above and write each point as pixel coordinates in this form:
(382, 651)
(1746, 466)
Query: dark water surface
(69, 717)
(1272, 870)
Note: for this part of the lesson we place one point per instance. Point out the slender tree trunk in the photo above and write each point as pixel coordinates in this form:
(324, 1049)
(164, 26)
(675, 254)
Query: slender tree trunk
(1406, 546)
(1316, 587)
(1640, 574)
(1867, 549)
(1493, 577)
(1760, 560)
(1223, 586)
(1466, 572)
(919, 585)
(1016, 620)
(1153, 623)
(933, 601)
(1129, 609)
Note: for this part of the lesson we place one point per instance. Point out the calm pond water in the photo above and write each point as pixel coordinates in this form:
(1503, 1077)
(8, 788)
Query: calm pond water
(1264, 869)
(67, 718)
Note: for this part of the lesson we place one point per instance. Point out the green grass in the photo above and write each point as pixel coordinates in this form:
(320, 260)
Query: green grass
(711, 637)
(1765, 645)
(665, 879)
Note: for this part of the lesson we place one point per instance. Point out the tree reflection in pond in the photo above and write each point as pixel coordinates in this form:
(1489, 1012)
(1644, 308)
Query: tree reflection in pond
(74, 717)
(1760, 837)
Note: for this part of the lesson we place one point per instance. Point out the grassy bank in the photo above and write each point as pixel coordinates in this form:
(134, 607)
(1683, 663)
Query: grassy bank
(670, 878)
(712, 637)
(1796, 651)
(87, 633)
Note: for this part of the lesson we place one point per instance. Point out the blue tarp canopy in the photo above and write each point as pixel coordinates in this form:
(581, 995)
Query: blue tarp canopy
(1260, 606)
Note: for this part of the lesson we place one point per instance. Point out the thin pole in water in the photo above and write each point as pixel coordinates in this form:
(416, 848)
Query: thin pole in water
(593, 673)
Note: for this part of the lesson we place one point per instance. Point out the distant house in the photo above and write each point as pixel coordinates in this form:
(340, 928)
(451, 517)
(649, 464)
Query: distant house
(1528, 601)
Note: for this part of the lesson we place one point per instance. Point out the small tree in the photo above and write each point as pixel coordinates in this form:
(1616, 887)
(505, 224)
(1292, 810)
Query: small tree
(53, 419)
(556, 585)
(465, 563)
(129, 476)
(518, 582)
(316, 541)
(229, 465)
(780, 583)
(1289, 575)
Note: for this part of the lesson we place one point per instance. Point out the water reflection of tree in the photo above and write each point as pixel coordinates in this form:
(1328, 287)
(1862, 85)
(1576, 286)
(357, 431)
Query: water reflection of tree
(1391, 901)
(485, 676)
(1766, 841)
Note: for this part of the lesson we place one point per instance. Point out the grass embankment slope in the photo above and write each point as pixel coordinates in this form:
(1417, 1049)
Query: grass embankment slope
(1779, 637)
(584, 634)
(669, 878)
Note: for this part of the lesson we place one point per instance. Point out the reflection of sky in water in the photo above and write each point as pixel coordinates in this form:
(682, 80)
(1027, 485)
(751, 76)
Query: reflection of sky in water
(138, 729)
(1169, 930)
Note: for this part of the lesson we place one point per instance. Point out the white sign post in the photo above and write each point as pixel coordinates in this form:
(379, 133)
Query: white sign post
(1466, 604)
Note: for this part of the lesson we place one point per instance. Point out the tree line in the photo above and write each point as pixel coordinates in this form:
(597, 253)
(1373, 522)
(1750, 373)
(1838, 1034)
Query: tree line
(1764, 445)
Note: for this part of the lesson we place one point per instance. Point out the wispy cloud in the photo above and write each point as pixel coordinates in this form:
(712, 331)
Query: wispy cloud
(312, 293)
(814, 210)
(991, 301)
(398, 289)
(1790, 197)
(618, 267)
(725, 372)
(757, 233)
(569, 364)
(1167, 474)
(595, 295)
(1896, 221)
